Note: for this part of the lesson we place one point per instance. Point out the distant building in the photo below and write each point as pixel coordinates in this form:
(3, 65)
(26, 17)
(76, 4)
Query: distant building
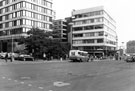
(94, 31)
(130, 47)
(61, 26)
(19, 16)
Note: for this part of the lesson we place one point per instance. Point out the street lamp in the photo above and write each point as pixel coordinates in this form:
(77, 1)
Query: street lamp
(71, 34)
(12, 48)
(106, 46)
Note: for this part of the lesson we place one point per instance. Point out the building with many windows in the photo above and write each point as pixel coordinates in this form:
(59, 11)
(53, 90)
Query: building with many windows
(61, 26)
(130, 47)
(94, 31)
(19, 16)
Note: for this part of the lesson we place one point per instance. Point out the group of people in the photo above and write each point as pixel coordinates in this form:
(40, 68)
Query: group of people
(8, 57)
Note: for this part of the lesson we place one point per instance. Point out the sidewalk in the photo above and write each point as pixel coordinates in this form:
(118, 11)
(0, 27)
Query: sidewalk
(3, 62)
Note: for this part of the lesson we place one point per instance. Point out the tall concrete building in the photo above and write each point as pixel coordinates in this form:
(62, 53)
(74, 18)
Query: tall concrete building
(19, 16)
(94, 31)
(130, 47)
(61, 26)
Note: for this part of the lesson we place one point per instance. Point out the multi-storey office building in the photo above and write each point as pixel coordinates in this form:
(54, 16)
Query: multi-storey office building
(61, 26)
(130, 47)
(94, 31)
(19, 16)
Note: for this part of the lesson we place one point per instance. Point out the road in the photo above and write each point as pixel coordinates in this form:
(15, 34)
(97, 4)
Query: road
(66, 76)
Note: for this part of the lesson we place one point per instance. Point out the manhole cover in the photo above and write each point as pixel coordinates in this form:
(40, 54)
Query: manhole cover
(60, 84)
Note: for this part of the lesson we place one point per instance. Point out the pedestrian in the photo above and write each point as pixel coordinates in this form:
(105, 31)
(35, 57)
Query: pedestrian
(6, 57)
(11, 57)
(44, 56)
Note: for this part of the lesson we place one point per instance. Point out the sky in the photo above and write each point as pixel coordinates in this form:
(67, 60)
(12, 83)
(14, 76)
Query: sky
(122, 11)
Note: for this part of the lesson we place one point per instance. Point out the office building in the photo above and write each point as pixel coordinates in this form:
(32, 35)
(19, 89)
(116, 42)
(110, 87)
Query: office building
(130, 47)
(94, 31)
(19, 16)
(60, 25)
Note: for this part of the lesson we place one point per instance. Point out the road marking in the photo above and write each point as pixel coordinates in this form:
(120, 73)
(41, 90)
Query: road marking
(40, 87)
(9, 79)
(26, 78)
(29, 85)
(15, 81)
(4, 77)
(22, 82)
(60, 84)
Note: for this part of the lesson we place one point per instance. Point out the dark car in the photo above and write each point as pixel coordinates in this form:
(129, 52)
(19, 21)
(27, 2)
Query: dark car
(130, 58)
(24, 57)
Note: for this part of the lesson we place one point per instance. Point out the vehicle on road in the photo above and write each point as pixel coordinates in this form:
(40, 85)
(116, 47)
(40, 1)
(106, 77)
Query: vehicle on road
(24, 57)
(130, 58)
(78, 56)
(2, 55)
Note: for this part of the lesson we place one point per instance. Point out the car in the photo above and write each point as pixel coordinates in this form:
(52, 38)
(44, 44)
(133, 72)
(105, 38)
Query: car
(2, 55)
(24, 57)
(130, 58)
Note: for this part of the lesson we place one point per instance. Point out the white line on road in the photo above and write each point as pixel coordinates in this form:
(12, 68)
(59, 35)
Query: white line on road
(22, 82)
(40, 87)
(29, 85)
(3, 77)
(9, 79)
(15, 81)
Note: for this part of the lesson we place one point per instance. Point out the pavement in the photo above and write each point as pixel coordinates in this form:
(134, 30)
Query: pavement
(103, 75)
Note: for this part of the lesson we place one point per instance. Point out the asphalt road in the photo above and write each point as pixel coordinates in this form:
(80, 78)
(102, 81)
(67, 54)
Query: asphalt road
(66, 76)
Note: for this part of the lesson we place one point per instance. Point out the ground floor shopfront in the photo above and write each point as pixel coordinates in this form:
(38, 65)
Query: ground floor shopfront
(98, 51)
(10, 44)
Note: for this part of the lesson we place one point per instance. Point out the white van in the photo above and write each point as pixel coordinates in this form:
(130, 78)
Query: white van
(78, 56)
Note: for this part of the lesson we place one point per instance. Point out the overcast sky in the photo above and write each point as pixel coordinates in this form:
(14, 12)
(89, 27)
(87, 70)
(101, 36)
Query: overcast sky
(122, 11)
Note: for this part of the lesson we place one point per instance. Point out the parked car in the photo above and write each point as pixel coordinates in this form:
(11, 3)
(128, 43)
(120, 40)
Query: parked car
(2, 55)
(130, 58)
(24, 57)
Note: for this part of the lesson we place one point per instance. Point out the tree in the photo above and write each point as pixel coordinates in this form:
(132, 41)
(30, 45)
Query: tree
(39, 42)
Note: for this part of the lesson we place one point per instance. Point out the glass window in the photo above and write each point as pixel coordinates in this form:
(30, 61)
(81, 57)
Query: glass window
(99, 40)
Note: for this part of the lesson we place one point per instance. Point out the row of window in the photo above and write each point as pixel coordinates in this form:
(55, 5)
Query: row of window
(25, 22)
(98, 48)
(89, 14)
(91, 34)
(14, 31)
(100, 26)
(88, 21)
(26, 5)
(87, 41)
(42, 2)
(26, 13)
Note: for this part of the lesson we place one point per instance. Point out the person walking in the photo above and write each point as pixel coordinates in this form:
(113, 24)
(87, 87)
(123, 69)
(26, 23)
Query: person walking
(6, 57)
(44, 56)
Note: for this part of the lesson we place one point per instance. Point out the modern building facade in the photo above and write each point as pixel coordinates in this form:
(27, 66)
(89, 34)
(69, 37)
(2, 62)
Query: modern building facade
(19, 16)
(61, 26)
(130, 47)
(94, 31)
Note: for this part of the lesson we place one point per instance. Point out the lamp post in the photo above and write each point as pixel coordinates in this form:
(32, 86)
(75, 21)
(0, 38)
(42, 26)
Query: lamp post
(106, 46)
(12, 48)
(71, 34)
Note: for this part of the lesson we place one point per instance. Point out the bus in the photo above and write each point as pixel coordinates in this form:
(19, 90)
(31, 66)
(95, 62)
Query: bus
(78, 56)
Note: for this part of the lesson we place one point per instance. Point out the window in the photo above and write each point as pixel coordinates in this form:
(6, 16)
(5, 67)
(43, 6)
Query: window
(88, 27)
(98, 26)
(88, 41)
(99, 40)
(14, 23)
(7, 24)
(100, 33)
(78, 35)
